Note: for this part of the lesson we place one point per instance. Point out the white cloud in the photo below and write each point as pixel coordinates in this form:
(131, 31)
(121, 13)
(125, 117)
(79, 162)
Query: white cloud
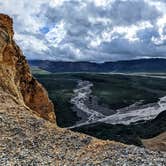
(56, 3)
(89, 29)
(31, 43)
(56, 34)
(102, 3)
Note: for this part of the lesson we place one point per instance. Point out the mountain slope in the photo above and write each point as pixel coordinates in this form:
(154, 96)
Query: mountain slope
(28, 137)
(140, 65)
(30, 140)
(158, 142)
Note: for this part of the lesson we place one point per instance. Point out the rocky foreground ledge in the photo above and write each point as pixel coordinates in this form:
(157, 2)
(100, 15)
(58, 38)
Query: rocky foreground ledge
(27, 139)
(27, 136)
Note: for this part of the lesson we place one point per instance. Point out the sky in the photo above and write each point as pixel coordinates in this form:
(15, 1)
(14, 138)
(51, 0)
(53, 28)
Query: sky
(89, 30)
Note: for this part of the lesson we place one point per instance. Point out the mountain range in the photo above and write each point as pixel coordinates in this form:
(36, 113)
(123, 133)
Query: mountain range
(131, 66)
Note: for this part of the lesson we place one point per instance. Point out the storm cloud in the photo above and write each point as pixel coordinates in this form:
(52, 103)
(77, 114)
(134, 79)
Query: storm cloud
(89, 30)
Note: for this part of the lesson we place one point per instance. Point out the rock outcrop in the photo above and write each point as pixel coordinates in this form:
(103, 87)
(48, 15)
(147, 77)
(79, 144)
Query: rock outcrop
(30, 139)
(15, 76)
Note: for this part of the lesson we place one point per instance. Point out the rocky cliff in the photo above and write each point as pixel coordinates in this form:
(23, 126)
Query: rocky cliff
(30, 139)
(15, 76)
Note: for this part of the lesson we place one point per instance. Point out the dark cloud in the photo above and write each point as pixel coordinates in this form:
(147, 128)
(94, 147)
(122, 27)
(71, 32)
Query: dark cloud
(132, 11)
(92, 30)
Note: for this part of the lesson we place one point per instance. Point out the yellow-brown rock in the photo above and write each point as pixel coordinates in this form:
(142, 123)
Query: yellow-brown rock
(15, 76)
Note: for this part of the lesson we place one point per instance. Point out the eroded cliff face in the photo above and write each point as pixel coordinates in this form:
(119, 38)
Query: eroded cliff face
(15, 76)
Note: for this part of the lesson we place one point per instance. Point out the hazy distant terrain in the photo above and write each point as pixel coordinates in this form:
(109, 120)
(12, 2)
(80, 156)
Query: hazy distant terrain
(154, 65)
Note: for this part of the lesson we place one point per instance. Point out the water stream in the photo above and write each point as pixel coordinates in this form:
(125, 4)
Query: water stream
(87, 107)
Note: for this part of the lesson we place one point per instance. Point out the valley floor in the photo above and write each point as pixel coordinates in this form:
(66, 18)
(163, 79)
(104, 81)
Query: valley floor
(109, 106)
(87, 107)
